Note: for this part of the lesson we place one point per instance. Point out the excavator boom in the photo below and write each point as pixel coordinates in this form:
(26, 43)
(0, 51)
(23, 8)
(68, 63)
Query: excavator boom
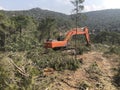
(74, 31)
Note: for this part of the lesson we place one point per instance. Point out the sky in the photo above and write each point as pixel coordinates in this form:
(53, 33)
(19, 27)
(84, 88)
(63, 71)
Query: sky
(63, 6)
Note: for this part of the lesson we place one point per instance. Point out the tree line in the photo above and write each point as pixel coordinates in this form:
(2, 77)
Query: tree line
(22, 32)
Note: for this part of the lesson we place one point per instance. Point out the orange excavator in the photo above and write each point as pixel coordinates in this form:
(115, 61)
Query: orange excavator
(59, 44)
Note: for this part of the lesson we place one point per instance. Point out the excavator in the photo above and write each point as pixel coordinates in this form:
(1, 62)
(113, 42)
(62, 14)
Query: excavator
(55, 44)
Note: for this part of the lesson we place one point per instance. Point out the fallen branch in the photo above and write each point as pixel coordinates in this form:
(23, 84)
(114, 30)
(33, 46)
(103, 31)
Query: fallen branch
(21, 71)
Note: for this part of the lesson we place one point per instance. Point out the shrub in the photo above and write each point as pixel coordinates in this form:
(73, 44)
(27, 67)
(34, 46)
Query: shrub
(80, 50)
(7, 75)
(55, 60)
(100, 47)
(93, 68)
(116, 79)
(22, 43)
(24, 72)
(113, 50)
(64, 63)
(84, 85)
(94, 71)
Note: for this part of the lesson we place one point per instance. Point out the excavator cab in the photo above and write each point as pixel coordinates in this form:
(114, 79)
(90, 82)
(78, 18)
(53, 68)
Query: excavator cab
(60, 38)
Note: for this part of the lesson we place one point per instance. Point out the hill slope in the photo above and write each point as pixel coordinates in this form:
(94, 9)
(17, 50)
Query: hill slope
(38, 14)
(98, 20)
(104, 19)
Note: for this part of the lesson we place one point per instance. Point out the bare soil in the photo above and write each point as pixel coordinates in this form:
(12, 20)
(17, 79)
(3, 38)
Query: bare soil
(96, 73)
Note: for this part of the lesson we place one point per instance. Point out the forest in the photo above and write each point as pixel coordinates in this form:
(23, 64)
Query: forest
(24, 65)
(103, 25)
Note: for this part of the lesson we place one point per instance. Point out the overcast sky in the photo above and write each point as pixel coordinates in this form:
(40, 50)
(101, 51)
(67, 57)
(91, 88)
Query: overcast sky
(63, 6)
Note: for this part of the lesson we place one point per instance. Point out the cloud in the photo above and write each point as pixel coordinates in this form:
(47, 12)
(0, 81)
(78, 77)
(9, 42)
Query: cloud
(1, 8)
(93, 7)
(104, 4)
(58, 1)
(66, 2)
(111, 4)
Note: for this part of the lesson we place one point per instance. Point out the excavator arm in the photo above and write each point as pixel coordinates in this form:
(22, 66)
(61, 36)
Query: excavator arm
(74, 31)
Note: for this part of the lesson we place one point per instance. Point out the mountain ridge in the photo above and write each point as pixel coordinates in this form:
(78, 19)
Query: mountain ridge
(99, 20)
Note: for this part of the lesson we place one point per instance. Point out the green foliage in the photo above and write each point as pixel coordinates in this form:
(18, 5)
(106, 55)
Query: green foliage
(22, 32)
(116, 79)
(107, 37)
(4, 21)
(54, 60)
(107, 20)
(100, 47)
(98, 20)
(113, 50)
(81, 49)
(7, 75)
(47, 28)
(19, 73)
(64, 63)
(78, 5)
(93, 68)
(25, 24)
(94, 71)
(24, 71)
(22, 43)
(18, 33)
(5, 28)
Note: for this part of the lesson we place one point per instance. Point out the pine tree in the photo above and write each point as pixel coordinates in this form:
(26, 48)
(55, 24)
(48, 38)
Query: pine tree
(78, 7)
